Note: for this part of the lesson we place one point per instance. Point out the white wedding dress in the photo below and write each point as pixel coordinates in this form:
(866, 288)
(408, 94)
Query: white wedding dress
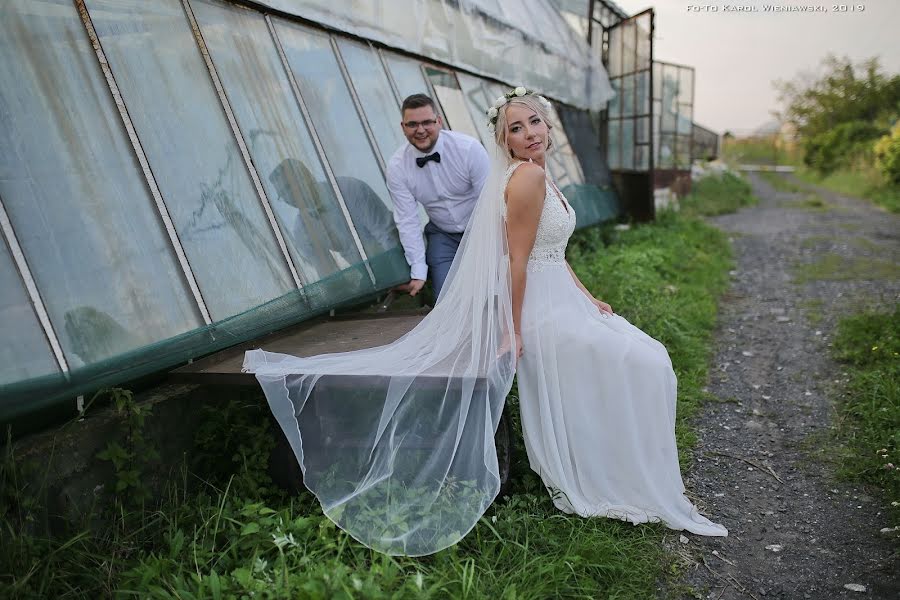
(597, 396)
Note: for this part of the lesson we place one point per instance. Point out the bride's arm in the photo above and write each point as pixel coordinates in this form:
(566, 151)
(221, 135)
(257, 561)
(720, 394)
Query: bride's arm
(524, 203)
(600, 304)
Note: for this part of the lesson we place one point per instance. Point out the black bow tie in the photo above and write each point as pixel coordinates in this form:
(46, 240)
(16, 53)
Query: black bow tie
(422, 160)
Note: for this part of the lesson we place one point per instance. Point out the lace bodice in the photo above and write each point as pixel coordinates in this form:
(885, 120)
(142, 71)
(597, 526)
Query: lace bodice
(554, 229)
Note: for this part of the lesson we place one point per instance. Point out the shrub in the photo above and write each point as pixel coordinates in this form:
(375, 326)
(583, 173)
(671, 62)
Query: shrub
(887, 155)
(836, 147)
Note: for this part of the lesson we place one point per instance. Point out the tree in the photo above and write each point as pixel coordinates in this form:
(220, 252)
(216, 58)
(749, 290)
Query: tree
(844, 93)
(841, 113)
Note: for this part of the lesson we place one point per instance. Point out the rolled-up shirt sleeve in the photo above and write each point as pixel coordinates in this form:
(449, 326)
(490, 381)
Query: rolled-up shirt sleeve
(406, 216)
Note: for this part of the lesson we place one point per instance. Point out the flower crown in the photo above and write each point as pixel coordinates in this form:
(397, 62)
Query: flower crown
(518, 92)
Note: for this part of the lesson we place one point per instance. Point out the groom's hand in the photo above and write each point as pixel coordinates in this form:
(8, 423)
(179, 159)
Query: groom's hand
(413, 287)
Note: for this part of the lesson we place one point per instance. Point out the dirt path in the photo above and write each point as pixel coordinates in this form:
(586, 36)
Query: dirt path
(760, 463)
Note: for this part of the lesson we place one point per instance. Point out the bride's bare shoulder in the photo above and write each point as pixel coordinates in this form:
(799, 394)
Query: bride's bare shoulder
(525, 182)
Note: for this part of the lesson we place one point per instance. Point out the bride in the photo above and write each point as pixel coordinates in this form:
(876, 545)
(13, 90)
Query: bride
(397, 441)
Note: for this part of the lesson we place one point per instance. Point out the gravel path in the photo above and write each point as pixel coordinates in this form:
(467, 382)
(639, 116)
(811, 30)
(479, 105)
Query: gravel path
(760, 468)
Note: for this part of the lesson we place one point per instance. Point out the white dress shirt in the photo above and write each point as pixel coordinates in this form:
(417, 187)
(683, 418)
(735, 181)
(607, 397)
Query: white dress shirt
(447, 190)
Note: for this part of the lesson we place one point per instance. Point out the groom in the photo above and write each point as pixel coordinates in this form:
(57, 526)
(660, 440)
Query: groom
(443, 171)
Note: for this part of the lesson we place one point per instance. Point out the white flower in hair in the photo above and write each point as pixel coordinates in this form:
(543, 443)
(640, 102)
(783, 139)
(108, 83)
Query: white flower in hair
(520, 91)
(492, 127)
(544, 102)
(492, 112)
(500, 102)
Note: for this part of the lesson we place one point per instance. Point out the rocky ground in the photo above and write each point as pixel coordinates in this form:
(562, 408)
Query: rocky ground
(804, 258)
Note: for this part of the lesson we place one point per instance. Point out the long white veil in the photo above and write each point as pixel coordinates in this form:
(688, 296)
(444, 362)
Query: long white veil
(397, 441)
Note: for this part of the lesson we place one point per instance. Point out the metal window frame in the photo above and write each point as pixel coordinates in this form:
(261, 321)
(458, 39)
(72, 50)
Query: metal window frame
(317, 142)
(345, 72)
(239, 138)
(635, 116)
(434, 94)
(34, 295)
(163, 211)
(390, 76)
(679, 67)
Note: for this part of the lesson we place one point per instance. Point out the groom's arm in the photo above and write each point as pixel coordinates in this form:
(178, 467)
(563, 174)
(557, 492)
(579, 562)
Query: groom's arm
(406, 216)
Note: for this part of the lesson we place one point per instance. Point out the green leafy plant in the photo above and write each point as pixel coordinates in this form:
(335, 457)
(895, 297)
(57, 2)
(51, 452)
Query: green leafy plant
(130, 455)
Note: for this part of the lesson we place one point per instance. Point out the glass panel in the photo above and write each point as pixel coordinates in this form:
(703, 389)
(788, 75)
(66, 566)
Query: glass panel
(669, 105)
(666, 156)
(628, 92)
(24, 351)
(615, 52)
(614, 109)
(642, 154)
(629, 46)
(315, 67)
(375, 94)
(643, 93)
(190, 146)
(642, 130)
(407, 75)
(563, 153)
(684, 119)
(478, 100)
(643, 41)
(687, 85)
(627, 144)
(260, 94)
(452, 101)
(75, 196)
(614, 150)
(657, 81)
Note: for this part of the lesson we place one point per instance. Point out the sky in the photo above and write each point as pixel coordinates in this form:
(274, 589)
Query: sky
(737, 56)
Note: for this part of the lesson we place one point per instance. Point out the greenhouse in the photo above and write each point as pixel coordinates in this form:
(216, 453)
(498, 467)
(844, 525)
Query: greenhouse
(180, 176)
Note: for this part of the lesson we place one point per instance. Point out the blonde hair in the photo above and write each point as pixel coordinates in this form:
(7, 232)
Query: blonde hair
(530, 101)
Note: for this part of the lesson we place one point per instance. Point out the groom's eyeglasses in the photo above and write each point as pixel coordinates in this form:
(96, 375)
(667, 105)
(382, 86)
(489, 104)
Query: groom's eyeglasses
(413, 125)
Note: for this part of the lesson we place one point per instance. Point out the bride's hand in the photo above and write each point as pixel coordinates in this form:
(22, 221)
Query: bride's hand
(505, 346)
(602, 306)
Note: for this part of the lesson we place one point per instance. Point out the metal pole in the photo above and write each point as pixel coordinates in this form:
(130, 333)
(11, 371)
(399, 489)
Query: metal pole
(34, 295)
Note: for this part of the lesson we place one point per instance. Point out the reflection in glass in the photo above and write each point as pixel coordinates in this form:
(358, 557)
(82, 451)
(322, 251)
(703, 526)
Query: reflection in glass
(276, 134)
(452, 101)
(24, 351)
(312, 60)
(190, 146)
(375, 94)
(77, 198)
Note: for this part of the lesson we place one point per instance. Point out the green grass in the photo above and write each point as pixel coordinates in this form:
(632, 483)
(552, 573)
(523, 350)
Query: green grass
(780, 182)
(759, 150)
(836, 267)
(717, 194)
(861, 182)
(868, 422)
(810, 201)
(230, 533)
(813, 310)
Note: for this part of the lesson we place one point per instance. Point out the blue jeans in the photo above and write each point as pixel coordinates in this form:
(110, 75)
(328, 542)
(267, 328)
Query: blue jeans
(439, 253)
